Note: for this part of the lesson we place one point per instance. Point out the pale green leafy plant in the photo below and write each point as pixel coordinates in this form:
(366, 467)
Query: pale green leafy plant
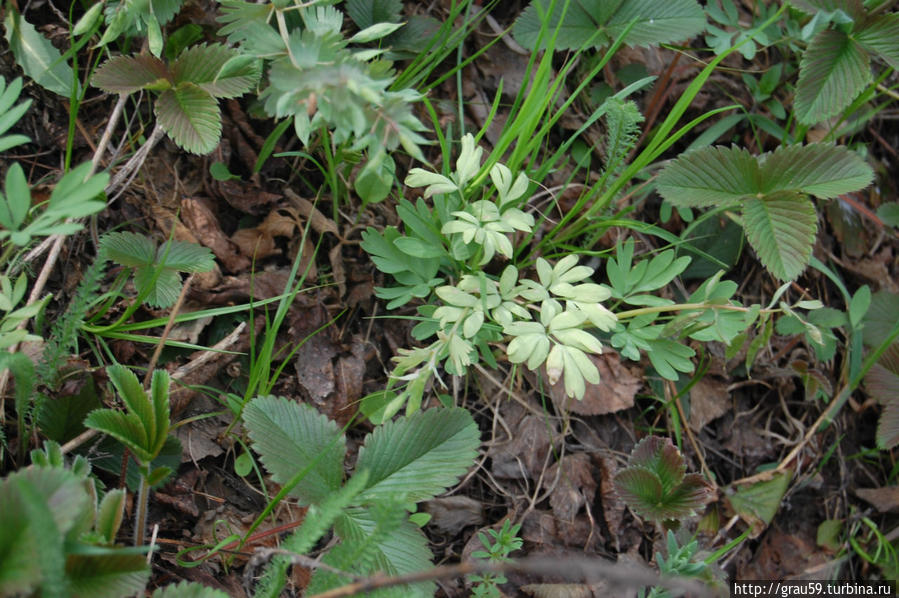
(400, 464)
(189, 88)
(321, 82)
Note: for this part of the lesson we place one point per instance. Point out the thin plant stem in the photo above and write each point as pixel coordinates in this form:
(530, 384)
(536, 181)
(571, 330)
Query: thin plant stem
(140, 514)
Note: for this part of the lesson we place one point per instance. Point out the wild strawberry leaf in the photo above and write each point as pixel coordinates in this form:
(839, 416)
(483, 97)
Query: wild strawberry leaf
(879, 35)
(185, 257)
(127, 74)
(190, 116)
(758, 502)
(781, 228)
(834, 70)
(660, 456)
(214, 68)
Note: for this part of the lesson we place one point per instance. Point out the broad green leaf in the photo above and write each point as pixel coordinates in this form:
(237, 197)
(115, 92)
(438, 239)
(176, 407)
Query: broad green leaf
(880, 318)
(48, 534)
(889, 213)
(657, 22)
(107, 575)
(76, 196)
(185, 257)
(366, 13)
(781, 228)
(879, 36)
(126, 428)
(160, 287)
(375, 180)
(758, 503)
(669, 357)
(852, 8)
(818, 169)
(190, 116)
(710, 176)
(416, 248)
(204, 66)
(17, 200)
(374, 32)
(109, 514)
(127, 74)
(38, 58)
(420, 455)
(291, 438)
(576, 28)
(833, 71)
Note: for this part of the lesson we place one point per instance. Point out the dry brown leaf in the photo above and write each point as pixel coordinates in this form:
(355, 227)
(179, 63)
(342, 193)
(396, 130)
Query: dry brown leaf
(885, 500)
(787, 555)
(335, 257)
(708, 402)
(616, 389)
(450, 514)
(315, 370)
(524, 455)
(245, 198)
(258, 242)
(574, 485)
(612, 506)
(319, 222)
(201, 220)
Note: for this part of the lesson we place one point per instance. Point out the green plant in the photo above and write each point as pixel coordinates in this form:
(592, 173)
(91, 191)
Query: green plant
(58, 535)
(771, 191)
(401, 463)
(187, 107)
(497, 549)
(836, 66)
(323, 85)
(681, 562)
(156, 270)
(655, 484)
(143, 429)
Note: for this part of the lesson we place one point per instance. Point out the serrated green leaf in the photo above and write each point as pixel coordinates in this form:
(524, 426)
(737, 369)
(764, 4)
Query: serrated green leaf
(109, 514)
(205, 66)
(660, 456)
(184, 256)
(190, 116)
(577, 28)
(879, 35)
(657, 22)
(38, 58)
(160, 287)
(107, 575)
(420, 455)
(136, 401)
(291, 437)
(187, 589)
(126, 428)
(833, 71)
(781, 228)
(710, 176)
(818, 169)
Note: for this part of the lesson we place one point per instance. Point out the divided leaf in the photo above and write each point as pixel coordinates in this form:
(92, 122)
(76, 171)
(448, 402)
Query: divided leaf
(822, 170)
(833, 71)
(190, 116)
(781, 228)
(420, 455)
(293, 438)
(654, 483)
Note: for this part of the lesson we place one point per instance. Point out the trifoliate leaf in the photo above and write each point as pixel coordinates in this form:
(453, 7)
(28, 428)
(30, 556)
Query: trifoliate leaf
(420, 455)
(127, 74)
(833, 71)
(781, 228)
(293, 437)
(191, 117)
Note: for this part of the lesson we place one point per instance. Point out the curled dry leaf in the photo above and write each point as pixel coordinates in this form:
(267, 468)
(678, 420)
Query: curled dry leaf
(202, 222)
(574, 485)
(708, 402)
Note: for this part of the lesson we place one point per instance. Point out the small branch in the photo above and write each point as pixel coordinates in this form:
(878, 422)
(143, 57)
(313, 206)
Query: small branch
(573, 568)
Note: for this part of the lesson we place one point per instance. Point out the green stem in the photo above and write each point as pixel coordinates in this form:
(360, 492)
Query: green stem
(633, 313)
(140, 513)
